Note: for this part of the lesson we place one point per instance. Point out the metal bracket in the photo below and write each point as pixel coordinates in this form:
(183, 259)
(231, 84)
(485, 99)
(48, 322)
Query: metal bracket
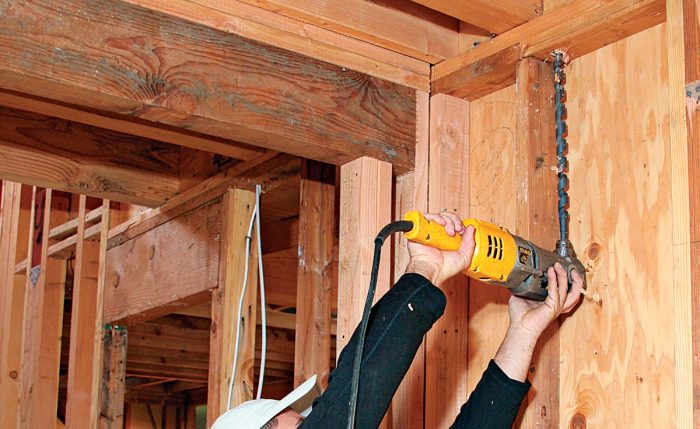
(692, 90)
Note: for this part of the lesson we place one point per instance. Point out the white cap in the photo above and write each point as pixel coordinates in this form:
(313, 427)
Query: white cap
(254, 414)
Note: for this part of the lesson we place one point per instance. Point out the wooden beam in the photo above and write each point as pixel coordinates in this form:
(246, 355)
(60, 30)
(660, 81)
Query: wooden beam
(415, 31)
(68, 156)
(42, 328)
(691, 29)
(537, 219)
(684, 24)
(365, 208)
(497, 17)
(171, 266)
(411, 193)
(267, 26)
(596, 24)
(238, 206)
(113, 378)
(15, 221)
(314, 274)
(446, 345)
(123, 59)
(85, 355)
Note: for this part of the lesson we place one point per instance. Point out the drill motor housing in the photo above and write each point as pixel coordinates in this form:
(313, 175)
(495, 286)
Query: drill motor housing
(500, 258)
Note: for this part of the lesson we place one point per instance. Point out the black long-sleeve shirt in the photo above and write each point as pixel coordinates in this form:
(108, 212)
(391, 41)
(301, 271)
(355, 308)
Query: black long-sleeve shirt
(397, 325)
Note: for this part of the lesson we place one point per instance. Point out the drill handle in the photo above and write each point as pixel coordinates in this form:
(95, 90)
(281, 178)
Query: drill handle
(430, 233)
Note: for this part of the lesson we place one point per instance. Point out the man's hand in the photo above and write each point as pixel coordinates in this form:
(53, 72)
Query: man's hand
(528, 319)
(439, 265)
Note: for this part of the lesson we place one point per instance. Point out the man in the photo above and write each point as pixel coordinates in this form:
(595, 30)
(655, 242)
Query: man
(396, 328)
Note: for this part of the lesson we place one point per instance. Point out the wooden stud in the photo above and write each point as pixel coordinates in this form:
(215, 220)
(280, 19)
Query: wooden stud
(85, 355)
(314, 274)
(411, 193)
(113, 378)
(537, 219)
(597, 24)
(15, 221)
(67, 156)
(365, 208)
(238, 206)
(317, 114)
(42, 328)
(446, 346)
(171, 266)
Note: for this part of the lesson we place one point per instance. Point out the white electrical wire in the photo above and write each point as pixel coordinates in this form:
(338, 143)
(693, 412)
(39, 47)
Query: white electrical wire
(263, 356)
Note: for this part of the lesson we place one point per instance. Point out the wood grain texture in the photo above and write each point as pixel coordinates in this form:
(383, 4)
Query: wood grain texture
(124, 59)
(411, 193)
(314, 273)
(85, 332)
(72, 157)
(421, 34)
(15, 221)
(446, 344)
(170, 266)
(596, 24)
(492, 197)
(113, 379)
(44, 301)
(268, 27)
(237, 207)
(497, 17)
(365, 208)
(619, 359)
(537, 219)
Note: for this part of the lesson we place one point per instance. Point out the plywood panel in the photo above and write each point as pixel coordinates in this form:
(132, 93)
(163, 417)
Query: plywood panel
(492, 198)
(617, 359)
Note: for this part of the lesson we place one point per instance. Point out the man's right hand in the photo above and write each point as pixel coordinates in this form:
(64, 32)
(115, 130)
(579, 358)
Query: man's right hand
(439, 265)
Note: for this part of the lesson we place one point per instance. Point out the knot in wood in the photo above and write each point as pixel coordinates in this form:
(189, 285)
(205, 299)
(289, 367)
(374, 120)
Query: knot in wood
(578, 421)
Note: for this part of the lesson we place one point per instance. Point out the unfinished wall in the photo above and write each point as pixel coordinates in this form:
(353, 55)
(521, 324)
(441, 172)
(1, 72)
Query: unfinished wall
(617, 362)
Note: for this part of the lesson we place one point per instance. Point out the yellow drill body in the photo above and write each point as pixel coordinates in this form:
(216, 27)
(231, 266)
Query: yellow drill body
(500, 258)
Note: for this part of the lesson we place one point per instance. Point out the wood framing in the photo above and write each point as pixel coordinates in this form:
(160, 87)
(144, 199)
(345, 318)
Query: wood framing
(448, 191)
(114, 70)
(15, 220)
(238, 206)
(43, 320)
(113, 378)
(171, 266)
(314, 275)
(497, 17)
(537, 219)
(68, 156)
(596, 25)
(85, 356)
(365, 208)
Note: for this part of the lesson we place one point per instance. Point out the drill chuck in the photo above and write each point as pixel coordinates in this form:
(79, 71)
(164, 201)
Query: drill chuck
(500, 258)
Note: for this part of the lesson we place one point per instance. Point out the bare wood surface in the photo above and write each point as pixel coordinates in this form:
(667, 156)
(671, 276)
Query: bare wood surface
(314, 273)
(135, 62)
(238, 206)
(446, 345)
(171, 266)
(86, 331)
(597, 24)
(14, 224)
(266, 26)
(411, 193)
(112, 385)
(537, 219)
(44, 301)
(616, 361)
(67, 156)
(497, 17)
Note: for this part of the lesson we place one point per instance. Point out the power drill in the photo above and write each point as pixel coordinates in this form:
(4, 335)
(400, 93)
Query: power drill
(500, 258)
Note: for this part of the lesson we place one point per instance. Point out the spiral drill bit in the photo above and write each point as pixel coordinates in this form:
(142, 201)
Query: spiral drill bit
(564, 247)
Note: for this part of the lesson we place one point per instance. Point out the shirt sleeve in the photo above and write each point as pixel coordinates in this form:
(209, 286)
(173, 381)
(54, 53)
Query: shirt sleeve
(494, 403)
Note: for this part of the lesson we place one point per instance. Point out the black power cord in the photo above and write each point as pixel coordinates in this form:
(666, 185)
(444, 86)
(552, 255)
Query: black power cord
(399, 226)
